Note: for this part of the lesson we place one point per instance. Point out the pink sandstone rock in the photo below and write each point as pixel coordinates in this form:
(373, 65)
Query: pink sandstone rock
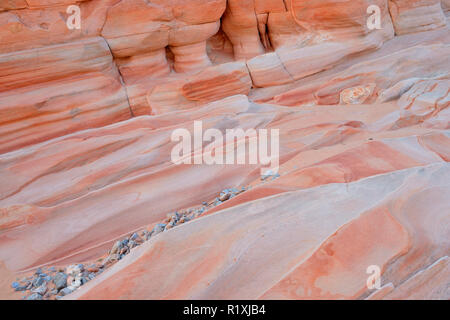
(446, 7)
(182, 26)
(416, 15)
(41, 26)
(86, 124)
(56, 90)
(388, 71)
(211, 84)
(347, 36)
(250, 265)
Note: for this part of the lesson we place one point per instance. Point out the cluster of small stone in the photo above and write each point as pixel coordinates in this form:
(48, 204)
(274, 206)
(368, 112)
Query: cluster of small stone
(49, 283)
(269, 176)
(225, 195)
(123, 247)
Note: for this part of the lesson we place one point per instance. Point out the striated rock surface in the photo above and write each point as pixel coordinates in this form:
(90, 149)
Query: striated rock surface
(347, 34)
(211, 84)
(93, 206)
(56, 90)
(417, 15)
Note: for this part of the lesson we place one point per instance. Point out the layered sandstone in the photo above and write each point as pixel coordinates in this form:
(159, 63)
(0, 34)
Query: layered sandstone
(86, 123)
(417, 15)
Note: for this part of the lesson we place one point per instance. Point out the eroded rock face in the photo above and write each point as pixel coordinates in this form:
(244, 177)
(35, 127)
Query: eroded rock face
(86, 123)
(43, 23)
(446, 7)
(424, 61)
(417, 15)
(342, 30)
(55, 90)
(183, 26)
(213, 83)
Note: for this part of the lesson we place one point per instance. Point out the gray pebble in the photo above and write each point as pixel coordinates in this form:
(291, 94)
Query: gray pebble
(60, 280)
(34, 296)
(23, 287)
(116, 247)
(158, 228)
(41, 290)
(66, 291)
(134, 236)
(38, 282)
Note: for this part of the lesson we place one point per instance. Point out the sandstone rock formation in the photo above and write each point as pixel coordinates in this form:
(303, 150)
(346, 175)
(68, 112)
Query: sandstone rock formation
(87, 118)
(415, 16)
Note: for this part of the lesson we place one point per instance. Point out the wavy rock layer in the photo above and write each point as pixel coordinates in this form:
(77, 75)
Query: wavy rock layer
(86, 119)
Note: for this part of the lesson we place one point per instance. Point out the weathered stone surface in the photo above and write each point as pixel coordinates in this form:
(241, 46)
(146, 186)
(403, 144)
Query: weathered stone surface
(423, 61)
(425, 100)
(348, 34)
(416, 15)
(446, 7)
(297, 228)
(182, 25)
(56, 90)
(44, 24)
(213, 83)
(89, 184)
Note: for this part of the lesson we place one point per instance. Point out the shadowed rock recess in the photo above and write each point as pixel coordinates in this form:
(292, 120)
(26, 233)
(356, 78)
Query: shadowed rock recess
(93, 207)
